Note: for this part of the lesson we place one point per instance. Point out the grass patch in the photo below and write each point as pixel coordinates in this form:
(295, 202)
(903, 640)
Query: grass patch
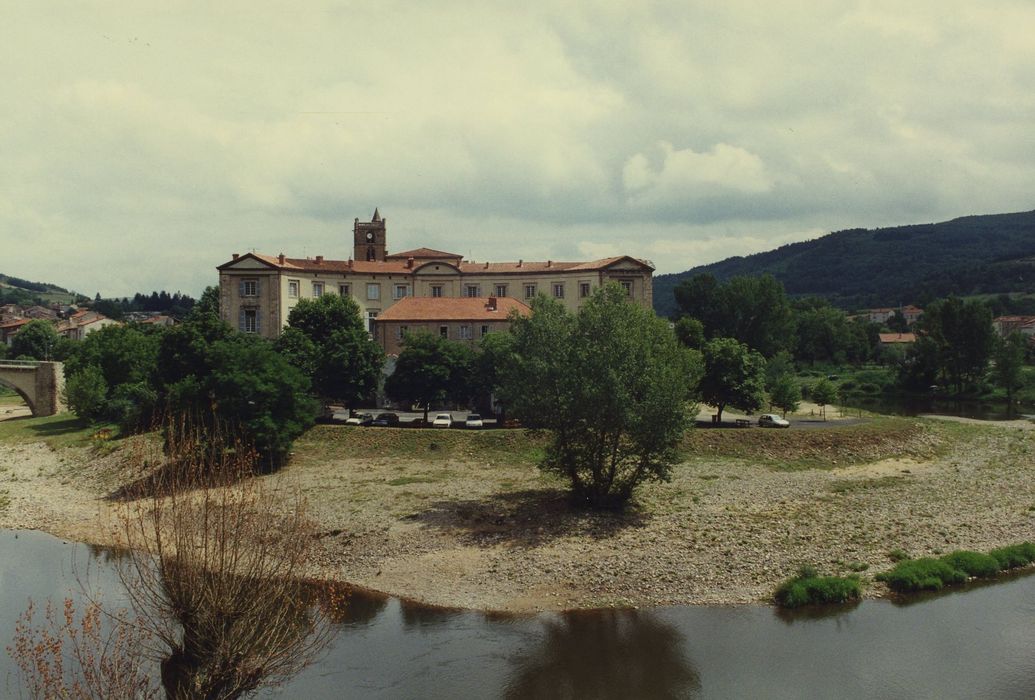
(421, 478)
(809, 588)
(62, 430)
(826, 448)
(929, 574)
(849, 486)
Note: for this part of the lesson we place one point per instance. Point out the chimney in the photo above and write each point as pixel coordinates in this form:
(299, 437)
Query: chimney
(491, 306)
(519, 262)
(350, 263)
(236, 256)
(319, 260)
(549, 263)
(486, 266)
(280, 258)
(409, 263)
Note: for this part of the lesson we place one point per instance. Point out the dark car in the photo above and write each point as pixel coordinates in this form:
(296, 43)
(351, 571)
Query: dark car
(386, 420)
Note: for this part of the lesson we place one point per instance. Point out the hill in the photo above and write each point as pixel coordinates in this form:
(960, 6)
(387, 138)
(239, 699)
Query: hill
(859, 268)
(14, 290)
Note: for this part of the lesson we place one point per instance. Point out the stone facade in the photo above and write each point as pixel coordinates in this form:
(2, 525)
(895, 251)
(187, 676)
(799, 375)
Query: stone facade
(257, 291)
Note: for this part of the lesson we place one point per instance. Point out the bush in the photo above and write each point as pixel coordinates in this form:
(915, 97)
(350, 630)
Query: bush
(924, 574)
(1014, 556)
(86, 393)
(808, 588)
(973, 563)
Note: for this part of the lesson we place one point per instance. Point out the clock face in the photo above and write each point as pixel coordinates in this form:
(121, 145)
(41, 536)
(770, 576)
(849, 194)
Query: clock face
(370, 235)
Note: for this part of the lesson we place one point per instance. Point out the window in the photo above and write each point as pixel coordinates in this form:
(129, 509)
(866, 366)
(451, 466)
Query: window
(472, 290)
(443, 331)
(436, 290)
(485, 331)
(249, 321)
(558, 290)
(343, 290)
(400, 331)
(584, 289)
(465, 332)
(373, 291)
(529, 291)
(293, 289)
(400, 291)
(371, 316)
(627, 285)
(249, 288)
(501, 290)
(317, 289)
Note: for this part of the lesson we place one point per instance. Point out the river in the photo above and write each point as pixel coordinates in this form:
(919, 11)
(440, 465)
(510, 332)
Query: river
(973, 643)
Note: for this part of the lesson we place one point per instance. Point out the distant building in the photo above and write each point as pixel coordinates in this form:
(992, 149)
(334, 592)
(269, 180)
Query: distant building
(464, 319)
(897, 338)
(9, 329)
(82, 323)
(1007, 325)
(882, 315)
(159, 320)
(257, 292)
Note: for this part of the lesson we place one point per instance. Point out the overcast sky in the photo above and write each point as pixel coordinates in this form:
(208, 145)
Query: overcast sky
(143, 143)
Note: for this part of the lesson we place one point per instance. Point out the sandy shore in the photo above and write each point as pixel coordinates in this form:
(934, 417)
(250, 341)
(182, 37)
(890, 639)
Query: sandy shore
(464, 526)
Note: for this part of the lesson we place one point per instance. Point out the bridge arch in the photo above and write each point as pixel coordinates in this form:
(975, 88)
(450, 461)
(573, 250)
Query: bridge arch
(40, 384)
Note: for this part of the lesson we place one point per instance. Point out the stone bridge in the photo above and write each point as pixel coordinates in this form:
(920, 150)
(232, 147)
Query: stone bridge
(41, 384)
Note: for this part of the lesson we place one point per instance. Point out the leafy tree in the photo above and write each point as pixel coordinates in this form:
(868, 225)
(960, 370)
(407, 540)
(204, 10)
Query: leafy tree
(87, 393)
(612, 385)
(823, 394)
(962, 336)
(327, 340)
(777, 367)
(209, 372)
(36, 340)
(207, 304)
(785, 394)
(495, 351)
(430, 370)
(734, 375)
(1009, 364)
(897, 323)
(690, 332)
(753, 310)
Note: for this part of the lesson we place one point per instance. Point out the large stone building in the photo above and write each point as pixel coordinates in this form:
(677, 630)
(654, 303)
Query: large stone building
(257, 292)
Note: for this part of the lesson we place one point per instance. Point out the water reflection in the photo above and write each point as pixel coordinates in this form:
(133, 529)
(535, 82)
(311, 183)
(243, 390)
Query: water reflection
(811, 613)
(604, 654)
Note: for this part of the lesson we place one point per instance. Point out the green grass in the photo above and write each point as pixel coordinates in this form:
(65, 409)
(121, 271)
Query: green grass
(930, 574)
(62, 430)
(853, 485)
(809, 588)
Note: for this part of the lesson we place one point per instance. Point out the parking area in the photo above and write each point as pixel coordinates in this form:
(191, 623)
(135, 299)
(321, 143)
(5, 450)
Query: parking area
(414, 419)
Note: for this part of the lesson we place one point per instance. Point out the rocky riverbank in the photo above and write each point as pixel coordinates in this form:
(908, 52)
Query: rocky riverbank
(466, 520)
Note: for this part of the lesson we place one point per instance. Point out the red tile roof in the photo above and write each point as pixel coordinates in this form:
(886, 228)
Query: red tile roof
(897, 337)
(16, 323)
(398, 265)
(423, 254)
(453, 309)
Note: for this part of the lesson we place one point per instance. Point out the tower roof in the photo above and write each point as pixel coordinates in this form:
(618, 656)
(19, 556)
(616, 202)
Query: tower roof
(377, 215)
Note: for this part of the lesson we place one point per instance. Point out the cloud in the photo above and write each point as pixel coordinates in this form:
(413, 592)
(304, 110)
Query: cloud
(141, 148)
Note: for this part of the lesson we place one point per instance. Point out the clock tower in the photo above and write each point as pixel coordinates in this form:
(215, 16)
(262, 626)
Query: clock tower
(369, 239)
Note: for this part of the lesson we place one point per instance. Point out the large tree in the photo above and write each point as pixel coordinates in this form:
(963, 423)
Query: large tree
(327, 340)
(613, 387)
(734, 375)
(36, 340)
(1009, 364)
(754, 310)
(430, 370)
(962, 336)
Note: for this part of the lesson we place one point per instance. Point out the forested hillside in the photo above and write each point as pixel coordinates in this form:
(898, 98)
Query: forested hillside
(890, 266)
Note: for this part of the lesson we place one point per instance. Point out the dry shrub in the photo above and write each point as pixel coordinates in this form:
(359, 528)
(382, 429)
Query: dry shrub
(211, 555)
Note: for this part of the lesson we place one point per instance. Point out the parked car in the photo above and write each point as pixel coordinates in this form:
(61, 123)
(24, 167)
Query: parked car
(443, 420)
(474, 421)
(360, 419)
(771, 420)
(386, 420)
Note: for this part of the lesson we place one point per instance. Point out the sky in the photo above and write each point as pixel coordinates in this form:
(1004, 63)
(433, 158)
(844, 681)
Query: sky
(142, 143)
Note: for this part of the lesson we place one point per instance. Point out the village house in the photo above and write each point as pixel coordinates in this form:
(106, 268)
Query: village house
(882, 315)
(1007, 325)
(463, 319)
(897, 338)
(258, 291)
(82, 323)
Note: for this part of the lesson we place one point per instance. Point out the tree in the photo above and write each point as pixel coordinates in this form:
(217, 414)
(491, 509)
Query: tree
(753, 310)
(1009, 364)
(785, 394)
(207, 369)
(823, 393)
(613, 387)
(36, 340)
(86, 393)
(897, 323)
(430, 370)
(734, 375)
(327, 340)
(690, 332)
(963, 338)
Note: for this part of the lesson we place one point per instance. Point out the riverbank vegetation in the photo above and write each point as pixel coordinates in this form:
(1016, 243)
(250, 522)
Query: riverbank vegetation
(931, 574)
(807, 587)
